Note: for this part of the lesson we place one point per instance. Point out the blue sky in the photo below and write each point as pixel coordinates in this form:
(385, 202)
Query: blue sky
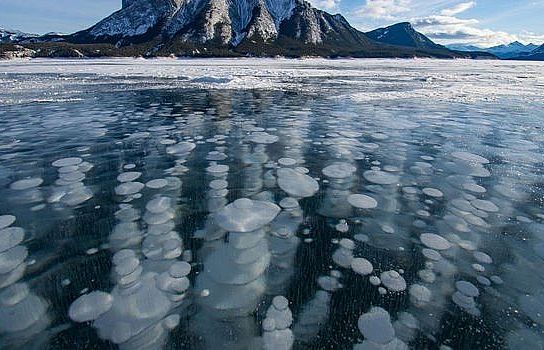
(480, 22)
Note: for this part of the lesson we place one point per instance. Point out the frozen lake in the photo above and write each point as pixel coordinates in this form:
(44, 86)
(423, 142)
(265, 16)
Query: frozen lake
(271, 204)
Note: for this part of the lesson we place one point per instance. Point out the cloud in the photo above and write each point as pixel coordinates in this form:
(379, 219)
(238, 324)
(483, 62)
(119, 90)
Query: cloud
(383, 9)
(431, 21)
(447, 28)
(459, 8)
(328, 5)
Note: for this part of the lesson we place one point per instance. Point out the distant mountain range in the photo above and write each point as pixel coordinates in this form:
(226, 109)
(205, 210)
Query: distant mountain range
(535, 55)
(512, 50)
(290, 28)
(9, 36)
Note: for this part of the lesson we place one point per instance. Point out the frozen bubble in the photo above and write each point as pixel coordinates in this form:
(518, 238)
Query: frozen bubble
(289, 203)
(269, 325)
(380, 177)
(374, 280)
(6, 220)
(127, 214)
(159, 205)
(467, 245)
(218, 184)
(362, 201)
(128, 176)
(26, 184)
(90, 306)
(482, 257)
(328, 283)
(246, 215)
(342, 226)
(432, 192)
(14, 294)
(179, 269)
(469, 157)
(393, 281)
(426, 275)
(485, 205)
(68, 169)
(360, 237)
(216, 156)
(496, 280)
(67, 162)
(382, 290)
(127, 266)
(478, 267)
(339, 170)
(474, 188)
(434, 241)
(361, 266)
(161, 228)
(75, 176)
(410, 190)
(467, 288)
(217, 169)
(167, 142)
(122, 255)
(419, 295)
(280, 302)
(129, 166)
(347, 244)
(464, 301)
(288, 162)
(263, 137)
(156, 183)
(128, 188)
(431, 254)
(180, 149)
(296, 184)
(10, 237)
(483, 281)
(12, 258)
(77, 196)
(376, 326)
(91, 251)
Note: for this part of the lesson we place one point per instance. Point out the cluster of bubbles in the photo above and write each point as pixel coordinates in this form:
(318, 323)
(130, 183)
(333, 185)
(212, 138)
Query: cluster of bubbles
(387, 207)
(23, 314)
(70, 189)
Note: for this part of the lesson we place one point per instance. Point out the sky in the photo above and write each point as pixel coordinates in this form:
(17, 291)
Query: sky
(481, 22)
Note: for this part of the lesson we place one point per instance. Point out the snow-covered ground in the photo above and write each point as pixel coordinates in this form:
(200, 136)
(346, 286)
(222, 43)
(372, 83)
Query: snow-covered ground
(359, 79)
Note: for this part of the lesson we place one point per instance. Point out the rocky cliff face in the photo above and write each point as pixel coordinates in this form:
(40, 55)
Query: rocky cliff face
(223, 22)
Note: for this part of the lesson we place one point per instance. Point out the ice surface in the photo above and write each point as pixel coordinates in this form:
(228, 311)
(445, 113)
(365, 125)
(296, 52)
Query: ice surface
(413, 186)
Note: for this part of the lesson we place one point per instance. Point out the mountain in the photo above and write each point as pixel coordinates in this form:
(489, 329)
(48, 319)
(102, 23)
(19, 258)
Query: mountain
(11, 36)
(290, 28)
(403, 34)
(535, 55)
(511, 50)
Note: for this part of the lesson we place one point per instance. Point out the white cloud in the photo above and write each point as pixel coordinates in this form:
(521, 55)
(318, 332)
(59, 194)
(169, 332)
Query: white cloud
(383, 9)
(446, 28)
(442, 21)
(459, 8)
(327, 5)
